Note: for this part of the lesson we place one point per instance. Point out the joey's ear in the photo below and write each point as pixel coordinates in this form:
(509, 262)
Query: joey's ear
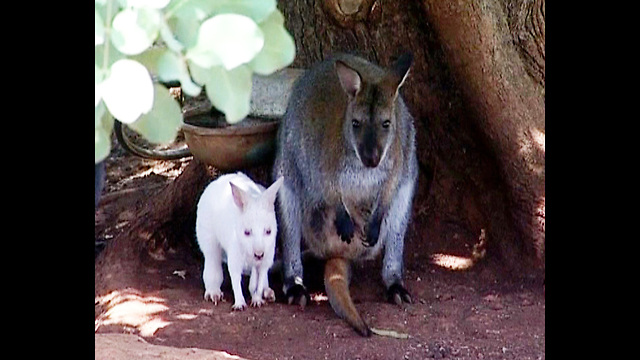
(239, 196)
(349, 78)
(269, 195)
(400, 68)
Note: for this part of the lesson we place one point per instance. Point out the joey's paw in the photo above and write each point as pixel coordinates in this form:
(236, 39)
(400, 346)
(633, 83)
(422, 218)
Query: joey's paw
(344, 226)
(297, 294)
(215, 296)
(397, 294)
(239, 306)
(269, 295)
(257, 302)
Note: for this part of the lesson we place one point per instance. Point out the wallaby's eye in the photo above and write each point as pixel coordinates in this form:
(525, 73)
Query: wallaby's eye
(355, 123)
(267, 231)
(386, 124)
(247, 232)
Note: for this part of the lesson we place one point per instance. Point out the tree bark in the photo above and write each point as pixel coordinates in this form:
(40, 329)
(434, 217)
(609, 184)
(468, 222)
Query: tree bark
(501, 77)
(476, 90)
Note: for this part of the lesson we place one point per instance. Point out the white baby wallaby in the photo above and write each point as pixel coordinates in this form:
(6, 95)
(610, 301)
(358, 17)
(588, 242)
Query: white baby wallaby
(236, 216)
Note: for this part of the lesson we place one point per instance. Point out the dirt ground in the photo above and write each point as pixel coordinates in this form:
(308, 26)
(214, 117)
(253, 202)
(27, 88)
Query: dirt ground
(464, 307)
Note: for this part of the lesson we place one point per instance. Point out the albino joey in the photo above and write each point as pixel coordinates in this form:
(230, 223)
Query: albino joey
(236, 219)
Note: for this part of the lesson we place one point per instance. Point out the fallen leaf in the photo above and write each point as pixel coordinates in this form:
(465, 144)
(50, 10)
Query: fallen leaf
(389, 333)
(180, 273)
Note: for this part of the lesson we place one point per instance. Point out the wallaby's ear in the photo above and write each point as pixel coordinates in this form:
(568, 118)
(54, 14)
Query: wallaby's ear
(349, 78)
(269, 195)
(240, 197)
(400, 68)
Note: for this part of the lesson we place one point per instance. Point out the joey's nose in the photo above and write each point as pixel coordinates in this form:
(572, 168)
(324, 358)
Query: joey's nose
(258, 255)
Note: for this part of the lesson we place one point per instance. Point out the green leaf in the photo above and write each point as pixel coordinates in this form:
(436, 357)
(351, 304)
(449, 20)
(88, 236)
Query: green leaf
(114, 55)
(135, 29)
(99, 79)
(150, 58)
(228, 39)
(229, 91)
(99, 74)
(103, 127)
(279, 48)
(189, 87)
(199, 74)
(186, 22)
(100, 110)
(103, 145)
(156, 4)
(128, 91)
(169, 39)
(172, 67)
(162, 123)
(258, 10)
(99, 29)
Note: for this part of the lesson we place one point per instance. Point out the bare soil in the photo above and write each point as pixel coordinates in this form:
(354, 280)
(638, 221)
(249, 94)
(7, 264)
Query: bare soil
(464, 305)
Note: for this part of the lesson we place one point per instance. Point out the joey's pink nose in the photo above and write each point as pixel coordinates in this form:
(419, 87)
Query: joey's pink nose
(258, 255)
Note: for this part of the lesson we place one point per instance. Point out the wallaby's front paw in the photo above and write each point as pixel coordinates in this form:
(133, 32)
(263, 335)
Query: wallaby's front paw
(239, 306)
(397, 294)
(297, 294)
(215, 296)
(269, 295)
(344, 225)
(373, 227)
(373, 233)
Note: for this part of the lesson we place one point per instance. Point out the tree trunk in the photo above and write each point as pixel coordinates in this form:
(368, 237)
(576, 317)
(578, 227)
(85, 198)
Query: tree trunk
(476, 90)
(496, 53)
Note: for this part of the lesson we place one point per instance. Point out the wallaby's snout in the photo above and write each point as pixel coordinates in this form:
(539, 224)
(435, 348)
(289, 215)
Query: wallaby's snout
(258, 255)
(369, 150)
(370, 156)
(371, 159)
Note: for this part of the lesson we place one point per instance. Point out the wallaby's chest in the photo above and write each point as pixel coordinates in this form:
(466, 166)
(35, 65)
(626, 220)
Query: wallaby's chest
(361, 186)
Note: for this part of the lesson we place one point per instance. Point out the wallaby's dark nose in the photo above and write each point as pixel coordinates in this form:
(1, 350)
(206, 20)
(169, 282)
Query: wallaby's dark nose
(368, 149)
(371, 160)
(370, 157)
(258, 255)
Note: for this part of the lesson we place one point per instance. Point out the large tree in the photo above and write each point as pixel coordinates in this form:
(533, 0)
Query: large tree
(476, 90)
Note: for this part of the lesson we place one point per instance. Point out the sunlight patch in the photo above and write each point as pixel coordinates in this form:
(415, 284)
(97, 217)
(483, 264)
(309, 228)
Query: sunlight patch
(451, 262)
(186, 316)
(319, 297)
(131, 309)
(454, 262)
(538, 138)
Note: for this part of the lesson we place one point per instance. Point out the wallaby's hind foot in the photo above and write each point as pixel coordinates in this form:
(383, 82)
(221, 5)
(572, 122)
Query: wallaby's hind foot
(298, 294)
(397, 294)
(336, 283)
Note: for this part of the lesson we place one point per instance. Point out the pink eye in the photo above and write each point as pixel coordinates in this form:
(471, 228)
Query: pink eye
(247, 232)
(267, 231)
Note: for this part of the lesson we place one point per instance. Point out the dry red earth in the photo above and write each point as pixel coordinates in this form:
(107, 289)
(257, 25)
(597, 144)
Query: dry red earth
(469, 313)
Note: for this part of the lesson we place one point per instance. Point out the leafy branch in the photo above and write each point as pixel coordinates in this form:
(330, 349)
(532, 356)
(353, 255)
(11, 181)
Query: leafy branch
(213, 44)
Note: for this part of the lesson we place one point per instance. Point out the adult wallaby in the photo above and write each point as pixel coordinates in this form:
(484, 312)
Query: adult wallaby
(346, 148)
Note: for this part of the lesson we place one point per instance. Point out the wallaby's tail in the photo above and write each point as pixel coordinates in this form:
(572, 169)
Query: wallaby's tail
(336, 283)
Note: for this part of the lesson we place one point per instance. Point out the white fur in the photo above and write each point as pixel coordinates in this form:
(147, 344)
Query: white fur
(223, 217)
